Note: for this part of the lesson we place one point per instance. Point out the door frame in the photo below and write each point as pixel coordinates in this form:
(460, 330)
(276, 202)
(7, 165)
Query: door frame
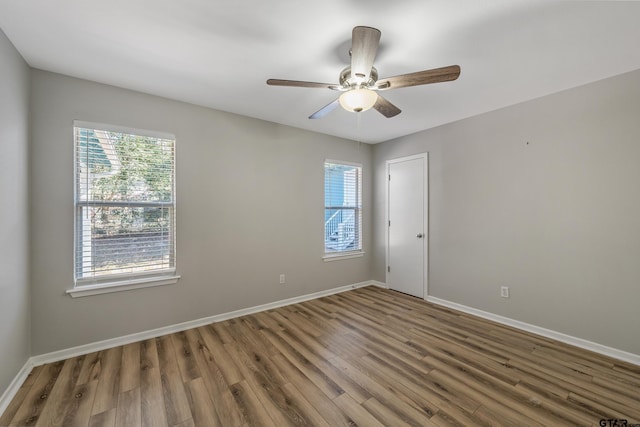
(425, 219)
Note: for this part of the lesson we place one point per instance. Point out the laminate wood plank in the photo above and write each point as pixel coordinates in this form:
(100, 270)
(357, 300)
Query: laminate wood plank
(369, 356)
(436, 347)
(246, 334)
(488, 386)
(497, 418)
(14, 405)
(316, 313)
(620, 403)
(175, 398)
(617, 386)
(532, 405)
(30, 409)
(358, 415)
(310, 343)
(130, 369)
(526, 359)
(315, 374)
(253, 359)
(108, 381)
(501, 410)
(61, 394)
(202, 408)
(392, 350)
(383, 414)
(33, 375)
(265, 321)
(366, 320)
(215, 345)
(20, 397)
(325, 406)
(403, 406)
(584, 388)
(451, 415)
(91, 368)
(222, 332)
(423, 328)
(601, 374)
(219, 392)
(104, 419)
(421, 388)
(598, 407)
(78, 413)
(128, 410)
(325, 305)
(627, 369)
(606, 373)
(186, 423)
(335, 375)
(311, 415)
(341, 345)
(568, 353)
(267, 387)
(252, 410)
(574, 415)
(329, 327)
(298, 318)
(184, 356)
(152, 408)
(374, 336)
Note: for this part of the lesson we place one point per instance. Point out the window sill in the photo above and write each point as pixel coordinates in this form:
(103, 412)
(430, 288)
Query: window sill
(341, 256)
(125, 285)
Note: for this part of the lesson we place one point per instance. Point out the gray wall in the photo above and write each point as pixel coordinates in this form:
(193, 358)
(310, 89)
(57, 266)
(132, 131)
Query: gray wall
(542, 197)
(250, 206)
(14, 214)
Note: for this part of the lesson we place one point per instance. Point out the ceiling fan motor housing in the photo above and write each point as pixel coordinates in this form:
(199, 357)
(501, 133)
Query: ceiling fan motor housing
(349, 82)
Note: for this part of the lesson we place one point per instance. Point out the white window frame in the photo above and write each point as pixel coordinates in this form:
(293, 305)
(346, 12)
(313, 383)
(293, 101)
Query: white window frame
(119, 282)
(351, 253)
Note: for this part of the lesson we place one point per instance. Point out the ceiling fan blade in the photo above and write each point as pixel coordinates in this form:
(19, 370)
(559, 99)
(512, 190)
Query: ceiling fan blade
(297, 83)
(364, 46)
(386, 108)
(325, 110)
(437, 75)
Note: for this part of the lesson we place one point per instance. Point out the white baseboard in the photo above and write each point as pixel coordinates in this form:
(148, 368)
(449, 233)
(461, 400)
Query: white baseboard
(379, 284)
(548, 333)
(140, 336)
(15, 385)
(55, 356)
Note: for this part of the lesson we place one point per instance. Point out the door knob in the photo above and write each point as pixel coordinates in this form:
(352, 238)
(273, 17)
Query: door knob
(419, 236)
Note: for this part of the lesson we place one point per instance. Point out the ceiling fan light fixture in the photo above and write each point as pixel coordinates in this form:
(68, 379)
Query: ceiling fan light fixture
(358, 100)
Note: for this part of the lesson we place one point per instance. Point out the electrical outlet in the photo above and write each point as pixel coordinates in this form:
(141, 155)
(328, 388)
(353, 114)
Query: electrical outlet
(504, 291)
(282, 281)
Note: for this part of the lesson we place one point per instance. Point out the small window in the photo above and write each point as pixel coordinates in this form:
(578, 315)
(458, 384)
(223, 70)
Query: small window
(342, 208)
(124, 205)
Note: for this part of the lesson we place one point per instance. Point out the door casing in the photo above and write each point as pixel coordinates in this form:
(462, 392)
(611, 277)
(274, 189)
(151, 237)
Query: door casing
(425, 195)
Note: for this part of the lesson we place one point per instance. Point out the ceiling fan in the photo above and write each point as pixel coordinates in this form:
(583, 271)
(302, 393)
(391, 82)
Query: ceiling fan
(359, 82)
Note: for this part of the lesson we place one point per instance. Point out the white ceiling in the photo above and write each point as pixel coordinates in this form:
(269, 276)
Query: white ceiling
(219, 53)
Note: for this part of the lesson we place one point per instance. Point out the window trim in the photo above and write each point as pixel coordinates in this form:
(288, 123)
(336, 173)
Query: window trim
(122, 285)
(126, 281)
(343, 255)
(355, 253)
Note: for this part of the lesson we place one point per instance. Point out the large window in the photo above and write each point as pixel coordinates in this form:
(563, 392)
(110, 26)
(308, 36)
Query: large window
(342, 208)
(124, 205)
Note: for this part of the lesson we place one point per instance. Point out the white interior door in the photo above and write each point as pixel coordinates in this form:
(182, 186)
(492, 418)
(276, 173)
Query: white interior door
(407, 225)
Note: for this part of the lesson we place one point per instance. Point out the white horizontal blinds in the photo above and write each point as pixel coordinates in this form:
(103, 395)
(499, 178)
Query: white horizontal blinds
(342, 207)
(125, 205)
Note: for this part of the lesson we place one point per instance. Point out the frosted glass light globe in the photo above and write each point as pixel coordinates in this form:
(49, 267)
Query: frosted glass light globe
(357, 100)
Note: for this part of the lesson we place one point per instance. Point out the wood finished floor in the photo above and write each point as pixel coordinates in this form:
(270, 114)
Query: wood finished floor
(366, 357)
